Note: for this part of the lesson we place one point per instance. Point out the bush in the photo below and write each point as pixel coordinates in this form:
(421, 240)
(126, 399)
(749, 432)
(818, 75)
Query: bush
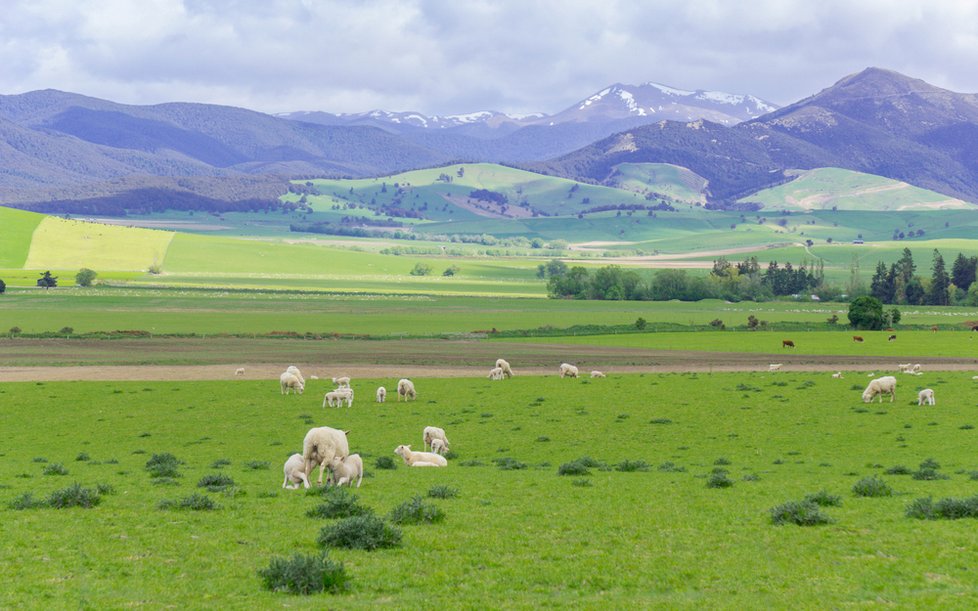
(367, 532)
(215, 482)
(194, 502)
(74, 496)
(442, 492)
(257, 465)
(803, 513)
(823, 499)
(421, 269)
(26, 501)
(930, 463)
(898, 470)
(871, 487)
(66, 330)
(385, 463)
(416, 511)
(163, 465)
(55, 469)
(575, 467)
(509, 464)
(220, 463)
(304, 574)
(670, 467)
(719, 479)
(929, 475)
(338, 504)
(944, 509)
(628, 466)
(85, 277)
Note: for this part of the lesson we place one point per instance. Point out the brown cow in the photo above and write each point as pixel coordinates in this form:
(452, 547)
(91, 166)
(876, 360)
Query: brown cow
(857, 338)
(934, 328)
(787, 343)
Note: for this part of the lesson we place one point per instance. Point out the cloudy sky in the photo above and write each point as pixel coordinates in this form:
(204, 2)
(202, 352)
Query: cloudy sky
(455, 56)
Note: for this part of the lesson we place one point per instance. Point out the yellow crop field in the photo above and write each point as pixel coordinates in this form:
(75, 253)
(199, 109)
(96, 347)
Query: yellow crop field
(68, 244)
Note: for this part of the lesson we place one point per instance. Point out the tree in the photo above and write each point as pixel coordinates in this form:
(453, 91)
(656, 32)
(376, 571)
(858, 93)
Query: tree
(47, 280)
(451, 270)
(421, 269)
(894, 316)
(640, 323)
(85, 277)
(940, 282)
(3, 287)
(963, 271)
(866, 313)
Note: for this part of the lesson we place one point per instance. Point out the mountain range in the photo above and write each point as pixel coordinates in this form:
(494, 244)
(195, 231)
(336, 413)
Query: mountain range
(64, 151)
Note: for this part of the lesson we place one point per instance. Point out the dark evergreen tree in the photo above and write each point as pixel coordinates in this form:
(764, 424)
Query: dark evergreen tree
(963, 271)
(47, 280)
(939, 283)
(878, 286)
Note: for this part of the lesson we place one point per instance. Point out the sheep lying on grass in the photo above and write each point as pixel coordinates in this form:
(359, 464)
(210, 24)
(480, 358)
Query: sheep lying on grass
(239, 371)
(342, 382)
(925, 396)
(431, 433)
(420, 459)
(507, 370)
(774, 367)
(290, 383)
(568, 371)
(405, 388)
(904, 367)
(335, 398)
(837, 375)
(295, 472)
(381, 394)
(880, 386)
(496, 373)
(347, 469)
(597, 374)
(320, 446)
(915, 369)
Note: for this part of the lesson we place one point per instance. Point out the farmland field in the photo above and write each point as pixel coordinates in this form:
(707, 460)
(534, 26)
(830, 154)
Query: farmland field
(610, 538)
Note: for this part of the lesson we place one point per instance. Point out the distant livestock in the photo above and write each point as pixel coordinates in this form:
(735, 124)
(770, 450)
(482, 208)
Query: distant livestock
(925, 396)
(837, 375)
(597, 374)
(787, 343)
(891, 338)
(239, 371)
(507, 370)
(496, 373)
(774, 367)
(381, 394)
(880, 386)
(405, 388)
(857, 338)
(568, 371)
(934, 329)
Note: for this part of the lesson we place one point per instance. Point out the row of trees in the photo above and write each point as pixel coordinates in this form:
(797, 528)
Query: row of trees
(898, 284)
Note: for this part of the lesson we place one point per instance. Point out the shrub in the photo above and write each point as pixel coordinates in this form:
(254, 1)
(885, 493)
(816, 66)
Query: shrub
(215, 482)
(929, 475)
(194, 502)
(220, 463)
(83, 456)
(163, 465)
(26, 501)
(898, 470)
(721, 461)
(921, 509)
(871, 487)
(670, 467)
(719, 479)
(304, 574)
(823, 499)
(416, 511)
(257, 465)
(367, 532)
(628, 466)
(802, 513)
(509, 464)
(930, 463)
(582, 483)
(85, 277)
(74, 496)
(945, 509)
(55, 469)
(421, 269)
(385, 463)
(442, 492)
(575, 467)
(338, 504)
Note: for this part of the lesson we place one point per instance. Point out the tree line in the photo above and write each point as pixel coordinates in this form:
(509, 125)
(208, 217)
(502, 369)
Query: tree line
(899, 284)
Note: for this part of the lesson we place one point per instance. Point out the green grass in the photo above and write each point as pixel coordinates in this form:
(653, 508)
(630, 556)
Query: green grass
(65, 244)
(674, 181)
(18, 228)
(629, 539)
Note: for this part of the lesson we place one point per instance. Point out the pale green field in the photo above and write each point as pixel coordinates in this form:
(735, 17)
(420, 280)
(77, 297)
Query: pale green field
(65, 244)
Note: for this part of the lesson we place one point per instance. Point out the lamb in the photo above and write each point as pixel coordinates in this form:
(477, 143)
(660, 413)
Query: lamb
(880, 386)
(597, 374)
(405, 388)
(915, 369)
(335, 398)
(431, 433)
(420, 459)
(904, 367)
(342, 382)
(347, 469)
(837, 375)
(496, 373)
(507, 370)
(438, 446)
(320, 446)
(239, 371)
(290, 383)
(381, 394)
(568, 370)
(926, 395)
(295, 371)
(295, 472)
(774, 367)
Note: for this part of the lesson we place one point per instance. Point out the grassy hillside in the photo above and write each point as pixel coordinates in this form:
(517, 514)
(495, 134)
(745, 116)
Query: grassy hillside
(65, 244)
(826, 188)
(672, 180)
(18, 230)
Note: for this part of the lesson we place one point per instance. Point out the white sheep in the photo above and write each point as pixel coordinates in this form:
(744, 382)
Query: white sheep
(342, 382)
(420, 459)
(837, 375)
(507, 370)
(597, 374)
(320, 446)
(295, 371)
(880, 386)
(926, 395)
(335, 398)
(915, 369)
(904, 367)
(431, 433)
(295, 472)
(381, 394)
(347, 469)
(290, 383)
(405, 388)
(438, 446)
(774, 366)
(496, 373)
(568, 370)
(239, 371)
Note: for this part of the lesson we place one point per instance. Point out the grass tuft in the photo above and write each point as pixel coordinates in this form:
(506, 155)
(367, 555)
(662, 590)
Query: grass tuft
(442, 492)
(304, 574)
(802, 513)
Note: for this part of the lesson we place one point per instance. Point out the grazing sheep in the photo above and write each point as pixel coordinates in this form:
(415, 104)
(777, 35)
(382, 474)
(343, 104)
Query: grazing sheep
(857, 338)
(347, 469)
(405, 388)
(295, 472)
(926, 395)
(507, 370)
(342, 382)
(880, 386)
(774, 367)
(420, 459)
(290, 383)
(381, 394)
(335, 398)
(904, 367)
(568, 371)
(496, 373)
(320, 446)
(787, 343)
(891, 338)
(837, 375)
(438, 446)
(597, 374)
(295, 371)
(431, 433)
(239, 371)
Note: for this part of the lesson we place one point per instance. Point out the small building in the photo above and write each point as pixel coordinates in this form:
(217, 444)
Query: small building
(858, 241)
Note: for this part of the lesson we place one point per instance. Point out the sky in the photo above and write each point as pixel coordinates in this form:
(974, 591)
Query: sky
(460, 56)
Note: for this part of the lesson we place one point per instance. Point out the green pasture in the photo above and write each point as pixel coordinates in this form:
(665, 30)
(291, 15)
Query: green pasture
(63, 244)
(519, 538)
(672, 180)
(18, 229)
